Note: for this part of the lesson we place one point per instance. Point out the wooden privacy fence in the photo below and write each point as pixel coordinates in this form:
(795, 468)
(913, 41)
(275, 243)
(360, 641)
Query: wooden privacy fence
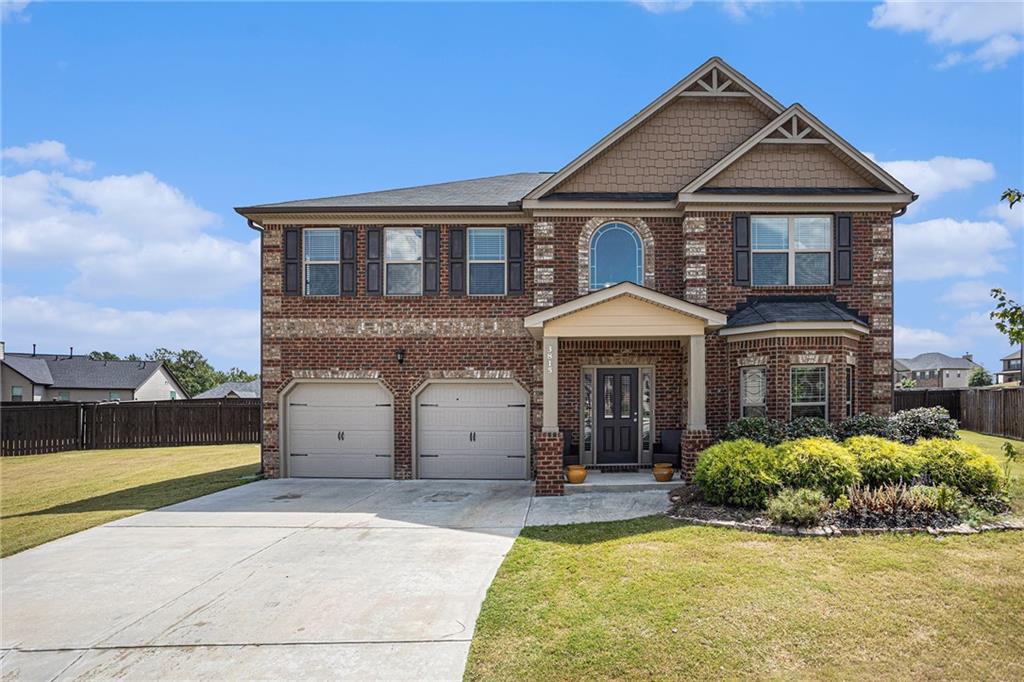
(33, 428)
(995, 411)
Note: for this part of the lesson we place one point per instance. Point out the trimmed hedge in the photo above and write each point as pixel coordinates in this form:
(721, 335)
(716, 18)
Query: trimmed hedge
(864, 424)
(817, 463)
(809, 427)
(737, 472)
(766, 431)
(960, 465)
(884, 461)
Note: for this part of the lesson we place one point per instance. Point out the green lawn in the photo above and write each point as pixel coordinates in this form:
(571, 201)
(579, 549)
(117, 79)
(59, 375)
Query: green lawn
(658, 599)
(44, 497)
(993, 445)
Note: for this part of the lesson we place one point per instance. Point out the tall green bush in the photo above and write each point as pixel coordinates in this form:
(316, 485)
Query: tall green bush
(737, 472)
(759, 429)
(960, 465)
(884, 461)
(864, 424)
(817, 463)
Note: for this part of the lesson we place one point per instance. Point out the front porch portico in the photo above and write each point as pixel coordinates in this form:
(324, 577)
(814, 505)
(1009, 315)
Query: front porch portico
(615, 435)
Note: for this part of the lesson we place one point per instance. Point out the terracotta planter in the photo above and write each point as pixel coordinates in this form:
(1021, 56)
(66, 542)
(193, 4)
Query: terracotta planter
(576, 473)
(663, 472)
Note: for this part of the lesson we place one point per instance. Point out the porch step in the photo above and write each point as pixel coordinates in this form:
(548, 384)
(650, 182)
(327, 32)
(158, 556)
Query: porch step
(620, 482)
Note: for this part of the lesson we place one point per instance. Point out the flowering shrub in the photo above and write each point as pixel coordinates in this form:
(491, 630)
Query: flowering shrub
(910, 426)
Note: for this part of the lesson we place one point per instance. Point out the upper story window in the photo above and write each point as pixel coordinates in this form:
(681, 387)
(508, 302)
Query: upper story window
(791, 250)
(616, 255)
(403, 261)
(321, 253)
(1013, 364)
(17, 394)
(487, 261)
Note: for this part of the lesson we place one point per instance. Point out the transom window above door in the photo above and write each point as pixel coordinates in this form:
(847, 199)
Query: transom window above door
(616, 255)
(791, 250)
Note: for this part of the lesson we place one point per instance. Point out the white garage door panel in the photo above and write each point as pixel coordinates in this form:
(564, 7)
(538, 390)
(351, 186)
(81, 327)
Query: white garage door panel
(340, 431)
(495, 415)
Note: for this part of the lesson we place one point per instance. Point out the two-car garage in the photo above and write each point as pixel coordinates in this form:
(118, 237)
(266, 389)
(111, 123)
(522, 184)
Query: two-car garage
(460, 429)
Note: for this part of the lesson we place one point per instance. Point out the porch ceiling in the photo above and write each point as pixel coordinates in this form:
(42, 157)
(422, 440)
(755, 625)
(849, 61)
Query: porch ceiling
(624, 310)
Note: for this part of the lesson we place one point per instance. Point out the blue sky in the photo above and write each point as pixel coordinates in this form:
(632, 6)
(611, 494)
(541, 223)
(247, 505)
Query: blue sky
(130, 130)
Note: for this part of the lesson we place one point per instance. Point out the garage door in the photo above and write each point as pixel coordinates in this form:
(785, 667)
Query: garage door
(472, 431)
(340, 431)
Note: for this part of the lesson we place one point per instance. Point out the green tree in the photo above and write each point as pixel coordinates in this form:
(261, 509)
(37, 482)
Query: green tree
(980, 377)
(103, 355)
(907, 383)
(1009, 317)
(193, 370)
(236, 374)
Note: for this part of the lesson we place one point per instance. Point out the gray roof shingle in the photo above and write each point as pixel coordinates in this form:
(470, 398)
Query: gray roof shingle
(769, 310)
(497, 192)
(32, 368)
(79, 371)
(243, 389)
(926, 361)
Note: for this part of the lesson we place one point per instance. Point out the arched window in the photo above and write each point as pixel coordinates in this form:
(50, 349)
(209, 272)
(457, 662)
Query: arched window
(616, 255)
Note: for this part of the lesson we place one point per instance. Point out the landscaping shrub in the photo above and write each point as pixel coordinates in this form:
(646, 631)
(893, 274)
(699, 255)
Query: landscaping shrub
(809, 427)
(817, 463)
(895, 506)
(800, 508)
(864, 424)
(738, 472)
(759, 429)
(910, 426)
(960, 465)
(945, 498)
(883, 461)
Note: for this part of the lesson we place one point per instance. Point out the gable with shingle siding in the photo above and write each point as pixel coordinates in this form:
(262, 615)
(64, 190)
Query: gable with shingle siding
(672, 148)
(780, 165)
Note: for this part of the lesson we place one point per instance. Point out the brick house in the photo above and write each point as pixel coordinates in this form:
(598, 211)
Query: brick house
(716, 255)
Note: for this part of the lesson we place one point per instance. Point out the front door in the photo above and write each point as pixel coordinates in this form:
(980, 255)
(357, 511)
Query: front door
(617, 411)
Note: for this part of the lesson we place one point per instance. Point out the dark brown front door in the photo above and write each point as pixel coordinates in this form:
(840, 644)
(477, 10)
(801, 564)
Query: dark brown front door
(617, 416)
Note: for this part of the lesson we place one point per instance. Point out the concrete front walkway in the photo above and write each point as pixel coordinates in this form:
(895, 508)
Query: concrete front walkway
(281, 579)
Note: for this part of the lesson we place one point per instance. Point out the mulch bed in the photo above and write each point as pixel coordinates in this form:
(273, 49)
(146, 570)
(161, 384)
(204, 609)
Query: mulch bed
(687, 506)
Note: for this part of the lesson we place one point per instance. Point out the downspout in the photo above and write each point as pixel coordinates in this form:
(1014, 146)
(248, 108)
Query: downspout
(259, 228)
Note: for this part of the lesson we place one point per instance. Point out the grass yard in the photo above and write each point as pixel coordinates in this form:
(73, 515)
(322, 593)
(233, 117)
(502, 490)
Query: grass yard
(44, 497)
(658, 599)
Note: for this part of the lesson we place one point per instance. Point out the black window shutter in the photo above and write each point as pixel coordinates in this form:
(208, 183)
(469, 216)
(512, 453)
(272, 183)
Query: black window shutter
(431, 261)
(291, 262)
(348, 261)
(844, 248)
(457, 261)
(374, 253)
(515, 261)
(741, 249)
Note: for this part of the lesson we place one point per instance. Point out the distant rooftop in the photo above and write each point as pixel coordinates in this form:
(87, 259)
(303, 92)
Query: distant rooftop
(80, 371)
(929, 361)
(241, 389)
(492, 193)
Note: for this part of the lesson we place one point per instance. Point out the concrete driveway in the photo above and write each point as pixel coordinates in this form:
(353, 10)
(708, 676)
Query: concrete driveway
(273, 580)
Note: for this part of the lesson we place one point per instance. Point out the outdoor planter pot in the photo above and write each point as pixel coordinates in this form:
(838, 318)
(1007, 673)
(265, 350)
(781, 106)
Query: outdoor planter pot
(663, 472)
(576, 473)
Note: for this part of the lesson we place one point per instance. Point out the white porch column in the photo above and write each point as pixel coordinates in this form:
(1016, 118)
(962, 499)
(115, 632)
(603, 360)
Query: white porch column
(550, 421)
(696, 386)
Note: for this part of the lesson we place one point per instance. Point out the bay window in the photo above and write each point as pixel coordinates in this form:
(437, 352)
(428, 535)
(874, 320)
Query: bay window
(753, 392)
(487, 261)
(808, 391)
(791, 250)
(403, 261)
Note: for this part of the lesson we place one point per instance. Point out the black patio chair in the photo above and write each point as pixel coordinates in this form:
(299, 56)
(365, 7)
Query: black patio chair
(666, 450)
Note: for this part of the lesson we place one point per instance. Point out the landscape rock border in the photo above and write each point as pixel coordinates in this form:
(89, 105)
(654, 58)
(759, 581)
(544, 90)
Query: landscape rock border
(835, 531)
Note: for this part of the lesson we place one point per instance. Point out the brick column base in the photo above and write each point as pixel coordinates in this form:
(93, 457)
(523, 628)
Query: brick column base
(547, 463)
(692, 444)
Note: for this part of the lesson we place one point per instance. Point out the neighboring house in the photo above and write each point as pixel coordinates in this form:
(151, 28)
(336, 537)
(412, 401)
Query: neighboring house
(233, 389)
(1011, 368)
(26, 377)
(935, 370)
(717, 255)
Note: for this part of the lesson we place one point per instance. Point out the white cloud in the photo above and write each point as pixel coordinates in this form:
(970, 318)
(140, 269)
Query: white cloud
(13, 9)
(229, 336)
(1011, 217)
(989, 29)
(910, 341)
(740, 10)
(664, 6)
(938, 175)
(47, 152)
(967, 294)
(127, 235)
(969, 334)
(944, 247)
